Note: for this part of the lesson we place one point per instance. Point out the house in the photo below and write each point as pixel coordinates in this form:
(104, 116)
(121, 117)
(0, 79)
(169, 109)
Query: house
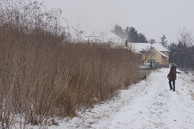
(152, 53)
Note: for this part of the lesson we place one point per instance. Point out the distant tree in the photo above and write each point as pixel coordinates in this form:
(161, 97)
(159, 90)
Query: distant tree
(182, 53)
(134, 36)
(185, 37)
(119, 32)
(142, 38)
(174, 56)
(164, 41)
(130, 34)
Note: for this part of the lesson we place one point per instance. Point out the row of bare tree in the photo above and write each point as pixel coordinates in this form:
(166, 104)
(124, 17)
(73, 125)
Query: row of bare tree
(182, 53)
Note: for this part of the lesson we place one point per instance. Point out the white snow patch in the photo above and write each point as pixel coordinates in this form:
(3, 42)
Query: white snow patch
(138, 47)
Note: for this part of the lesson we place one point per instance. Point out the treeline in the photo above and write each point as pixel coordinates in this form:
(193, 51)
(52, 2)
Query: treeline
(43, 76)
(130, 34)
(182, 53)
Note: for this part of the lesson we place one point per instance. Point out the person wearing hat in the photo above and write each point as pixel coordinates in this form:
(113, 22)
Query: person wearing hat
(172, 77)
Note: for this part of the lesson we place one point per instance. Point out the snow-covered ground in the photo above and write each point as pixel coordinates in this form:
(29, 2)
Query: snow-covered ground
(146, 105)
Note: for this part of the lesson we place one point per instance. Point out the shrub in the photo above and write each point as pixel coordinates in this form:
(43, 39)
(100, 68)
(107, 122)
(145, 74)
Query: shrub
(42, 78)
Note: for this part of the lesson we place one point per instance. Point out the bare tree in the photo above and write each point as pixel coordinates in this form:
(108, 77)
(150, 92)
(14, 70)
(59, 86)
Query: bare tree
(185, 37)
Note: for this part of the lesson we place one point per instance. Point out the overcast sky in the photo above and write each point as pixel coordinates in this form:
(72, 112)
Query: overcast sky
(150, 17)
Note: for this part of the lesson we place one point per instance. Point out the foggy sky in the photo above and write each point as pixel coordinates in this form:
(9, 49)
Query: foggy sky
(150, 17)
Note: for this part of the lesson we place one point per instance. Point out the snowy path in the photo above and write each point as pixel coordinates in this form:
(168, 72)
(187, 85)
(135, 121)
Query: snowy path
(146, 105)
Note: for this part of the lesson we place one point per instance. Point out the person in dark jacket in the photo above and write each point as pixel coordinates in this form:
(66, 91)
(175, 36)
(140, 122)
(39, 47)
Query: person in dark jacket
(172, 77)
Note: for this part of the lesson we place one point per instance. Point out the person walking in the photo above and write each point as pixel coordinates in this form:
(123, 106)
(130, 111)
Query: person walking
(172, 77)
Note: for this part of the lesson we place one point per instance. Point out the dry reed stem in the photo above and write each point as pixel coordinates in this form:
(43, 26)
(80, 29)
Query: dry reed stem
(42, 78)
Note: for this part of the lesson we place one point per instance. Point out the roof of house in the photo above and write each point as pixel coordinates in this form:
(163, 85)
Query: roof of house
(77, 35)
(102, 37)
(138, 47)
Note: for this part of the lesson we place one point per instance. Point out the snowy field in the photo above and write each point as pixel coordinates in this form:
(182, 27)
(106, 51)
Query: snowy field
(146, 105)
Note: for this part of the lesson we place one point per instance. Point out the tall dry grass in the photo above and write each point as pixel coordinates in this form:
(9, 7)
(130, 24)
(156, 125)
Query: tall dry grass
(42, 78)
